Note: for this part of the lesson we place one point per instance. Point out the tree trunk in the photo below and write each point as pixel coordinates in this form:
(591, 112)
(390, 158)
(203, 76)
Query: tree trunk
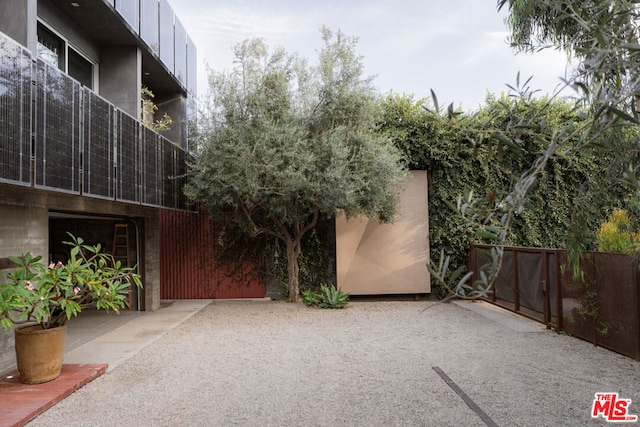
(293, 252)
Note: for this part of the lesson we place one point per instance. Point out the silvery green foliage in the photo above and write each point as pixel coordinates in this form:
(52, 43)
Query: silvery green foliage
(283, 143)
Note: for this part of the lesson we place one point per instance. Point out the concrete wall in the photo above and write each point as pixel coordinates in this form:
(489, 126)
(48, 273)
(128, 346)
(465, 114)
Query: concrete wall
(24, 226)
(176, 108)
(18, 21)
(22, 229)
(121, 77)
(380, 259)
(7, 350)
(151, 264)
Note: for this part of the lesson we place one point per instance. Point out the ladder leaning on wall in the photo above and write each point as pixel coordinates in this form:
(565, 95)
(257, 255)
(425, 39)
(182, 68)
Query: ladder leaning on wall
(120, 248)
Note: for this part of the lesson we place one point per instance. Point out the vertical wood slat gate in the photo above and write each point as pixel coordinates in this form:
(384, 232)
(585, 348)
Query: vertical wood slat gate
(187, 266)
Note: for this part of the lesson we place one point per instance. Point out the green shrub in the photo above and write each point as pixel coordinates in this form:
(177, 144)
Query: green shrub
(329, 297)
(617, 235)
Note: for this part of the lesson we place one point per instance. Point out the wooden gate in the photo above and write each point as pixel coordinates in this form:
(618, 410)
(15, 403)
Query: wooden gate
(188, 269)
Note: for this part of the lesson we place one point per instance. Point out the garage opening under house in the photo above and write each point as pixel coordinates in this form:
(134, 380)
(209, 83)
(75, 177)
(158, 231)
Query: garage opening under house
(74, 155)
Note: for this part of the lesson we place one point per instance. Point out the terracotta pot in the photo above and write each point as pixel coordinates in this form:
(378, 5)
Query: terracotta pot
(39, 353)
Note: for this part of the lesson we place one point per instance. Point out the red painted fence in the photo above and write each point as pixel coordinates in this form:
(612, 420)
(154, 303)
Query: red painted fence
(188, 270)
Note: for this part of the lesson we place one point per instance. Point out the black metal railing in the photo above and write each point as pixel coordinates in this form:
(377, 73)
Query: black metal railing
(60, 136)
(15, 113)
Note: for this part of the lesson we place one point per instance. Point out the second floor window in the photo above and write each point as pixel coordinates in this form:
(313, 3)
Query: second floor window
(54, 50)
(51, 48)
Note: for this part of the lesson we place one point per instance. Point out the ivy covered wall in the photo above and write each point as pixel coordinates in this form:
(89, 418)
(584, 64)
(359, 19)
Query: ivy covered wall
(461, 159)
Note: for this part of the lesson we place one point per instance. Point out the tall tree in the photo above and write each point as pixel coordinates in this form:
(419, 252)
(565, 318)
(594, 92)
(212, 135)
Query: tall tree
(566, 24)
(601, 34)
(283, 143)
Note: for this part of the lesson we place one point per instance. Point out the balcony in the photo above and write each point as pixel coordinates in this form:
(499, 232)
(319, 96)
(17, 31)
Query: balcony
(169, 56)
(58, 135)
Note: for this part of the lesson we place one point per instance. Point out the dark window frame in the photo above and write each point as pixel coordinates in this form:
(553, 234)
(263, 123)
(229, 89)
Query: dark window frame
(69, 59)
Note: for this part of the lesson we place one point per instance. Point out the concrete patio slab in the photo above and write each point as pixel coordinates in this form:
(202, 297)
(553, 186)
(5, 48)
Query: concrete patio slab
(501, 316)
(117, 345)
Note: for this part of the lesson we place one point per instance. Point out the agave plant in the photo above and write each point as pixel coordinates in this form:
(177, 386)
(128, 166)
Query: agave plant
(329, 297)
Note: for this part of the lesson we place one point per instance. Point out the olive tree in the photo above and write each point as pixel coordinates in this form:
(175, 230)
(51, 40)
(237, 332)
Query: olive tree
(283, 143)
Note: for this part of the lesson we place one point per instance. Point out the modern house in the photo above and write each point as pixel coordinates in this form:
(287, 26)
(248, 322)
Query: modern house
(74, 154)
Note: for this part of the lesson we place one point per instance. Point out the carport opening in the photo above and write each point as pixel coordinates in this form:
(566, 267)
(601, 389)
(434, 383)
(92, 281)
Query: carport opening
(117, 236)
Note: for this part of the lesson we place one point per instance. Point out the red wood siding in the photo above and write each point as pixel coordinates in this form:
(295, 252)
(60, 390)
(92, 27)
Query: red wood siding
(187, 270)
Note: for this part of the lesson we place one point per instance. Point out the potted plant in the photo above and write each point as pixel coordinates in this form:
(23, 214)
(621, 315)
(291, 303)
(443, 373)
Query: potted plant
(45, 297)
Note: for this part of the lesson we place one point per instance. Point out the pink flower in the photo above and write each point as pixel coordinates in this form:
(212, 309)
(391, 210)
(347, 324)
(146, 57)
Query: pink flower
(76, 291)
(52, 266)
(30, 286)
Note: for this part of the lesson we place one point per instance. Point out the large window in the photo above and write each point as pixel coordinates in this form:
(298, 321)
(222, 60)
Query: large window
(56, 51)
(80, 69)
(51, 48)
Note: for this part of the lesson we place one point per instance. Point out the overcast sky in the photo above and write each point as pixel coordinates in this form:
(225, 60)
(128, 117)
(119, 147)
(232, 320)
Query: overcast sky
(457, 48)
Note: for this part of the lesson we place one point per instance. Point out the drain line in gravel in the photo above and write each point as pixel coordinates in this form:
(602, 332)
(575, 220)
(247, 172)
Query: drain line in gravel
(470, 403)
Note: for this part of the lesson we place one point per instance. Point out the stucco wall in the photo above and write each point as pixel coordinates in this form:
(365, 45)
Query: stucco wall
(380, 259)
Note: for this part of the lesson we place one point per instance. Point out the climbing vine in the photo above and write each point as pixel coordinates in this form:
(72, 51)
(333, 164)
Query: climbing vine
(571, 188)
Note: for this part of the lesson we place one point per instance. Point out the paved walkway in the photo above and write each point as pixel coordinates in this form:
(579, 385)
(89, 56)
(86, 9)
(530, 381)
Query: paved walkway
(97, 342)
(112, 339)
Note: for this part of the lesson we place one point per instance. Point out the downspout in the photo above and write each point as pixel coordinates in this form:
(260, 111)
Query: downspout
(140, 292)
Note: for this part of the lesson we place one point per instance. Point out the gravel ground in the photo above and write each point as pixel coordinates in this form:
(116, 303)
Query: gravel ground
(238, 363)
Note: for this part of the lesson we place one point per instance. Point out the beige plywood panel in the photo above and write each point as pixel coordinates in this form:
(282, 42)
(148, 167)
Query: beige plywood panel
(379, 259)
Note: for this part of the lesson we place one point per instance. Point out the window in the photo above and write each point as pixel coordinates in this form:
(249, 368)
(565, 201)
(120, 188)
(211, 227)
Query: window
(54, 50)
(50, 47)
(80, 69)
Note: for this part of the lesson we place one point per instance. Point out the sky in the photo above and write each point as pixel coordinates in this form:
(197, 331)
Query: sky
(457, 48)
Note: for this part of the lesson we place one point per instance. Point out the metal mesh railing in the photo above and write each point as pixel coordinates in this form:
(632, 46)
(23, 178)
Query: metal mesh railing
(181, 179)
(151, 168)
(602, 306)
(129, 165)
(168, 173)
(57, 130)
(520, 286)
(82, 144)
(15, 113)
(98, 146)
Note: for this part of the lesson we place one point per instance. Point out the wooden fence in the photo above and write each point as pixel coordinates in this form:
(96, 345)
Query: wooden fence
(188, 244)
